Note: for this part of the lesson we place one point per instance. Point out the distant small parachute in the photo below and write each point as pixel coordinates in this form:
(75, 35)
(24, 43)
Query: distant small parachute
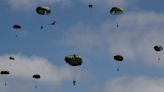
(158, 48)
(74, 61)
(118, 58)
(11, 58)
(36, 77)
(43, 10)
(116, 11)
(90, 5)
(5, 73)
(17, 27)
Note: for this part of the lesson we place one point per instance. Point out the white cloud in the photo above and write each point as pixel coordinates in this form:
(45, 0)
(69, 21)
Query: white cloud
(135, 84)
(26, 4)
(24, 67)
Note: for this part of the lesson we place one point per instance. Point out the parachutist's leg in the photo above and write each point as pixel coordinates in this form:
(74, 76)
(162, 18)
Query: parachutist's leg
(16, 35)
(158, 59)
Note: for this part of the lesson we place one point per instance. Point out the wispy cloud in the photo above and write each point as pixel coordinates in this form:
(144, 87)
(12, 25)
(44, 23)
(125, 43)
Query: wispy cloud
(26, 4)
(135, 84)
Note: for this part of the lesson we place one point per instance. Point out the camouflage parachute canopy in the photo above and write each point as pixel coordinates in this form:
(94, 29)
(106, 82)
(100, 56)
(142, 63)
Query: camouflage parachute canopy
(16, 26)
(36, 76)
(158, 48)
(116, 11)
(43, 10)
(5, 72)
(118, 57)
(73, 60)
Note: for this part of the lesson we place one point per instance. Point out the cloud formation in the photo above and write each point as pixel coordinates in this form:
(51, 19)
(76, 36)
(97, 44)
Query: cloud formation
(135, 84)
(26, 4)
(25, 67)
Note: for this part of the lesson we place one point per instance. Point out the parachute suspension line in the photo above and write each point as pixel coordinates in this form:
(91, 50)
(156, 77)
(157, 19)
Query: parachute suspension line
(118, 66)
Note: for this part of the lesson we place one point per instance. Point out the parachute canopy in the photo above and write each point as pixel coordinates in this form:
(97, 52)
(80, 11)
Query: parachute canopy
(73, 60)
(5, 72)
(116, 11)
(43, 10)
(16, 26)
(118, 57)
(36, 76)
(158, 48)
(11, 58)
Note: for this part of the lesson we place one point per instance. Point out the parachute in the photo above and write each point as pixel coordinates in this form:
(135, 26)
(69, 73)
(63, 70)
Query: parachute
(90, 5)
(116, 11)
(43, 10)
(36, 77)
(17, 27)
(74, 61)
(5, 73)
(11, 58)
(158, 48)
(118, 58)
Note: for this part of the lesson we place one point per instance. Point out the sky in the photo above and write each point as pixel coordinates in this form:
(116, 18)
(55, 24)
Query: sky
(88, 32)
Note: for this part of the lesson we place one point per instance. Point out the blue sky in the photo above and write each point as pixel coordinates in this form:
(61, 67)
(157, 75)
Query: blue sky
(88, 32)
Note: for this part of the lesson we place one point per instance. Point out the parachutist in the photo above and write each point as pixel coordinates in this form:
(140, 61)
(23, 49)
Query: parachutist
(74, 82)
(41, 27)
